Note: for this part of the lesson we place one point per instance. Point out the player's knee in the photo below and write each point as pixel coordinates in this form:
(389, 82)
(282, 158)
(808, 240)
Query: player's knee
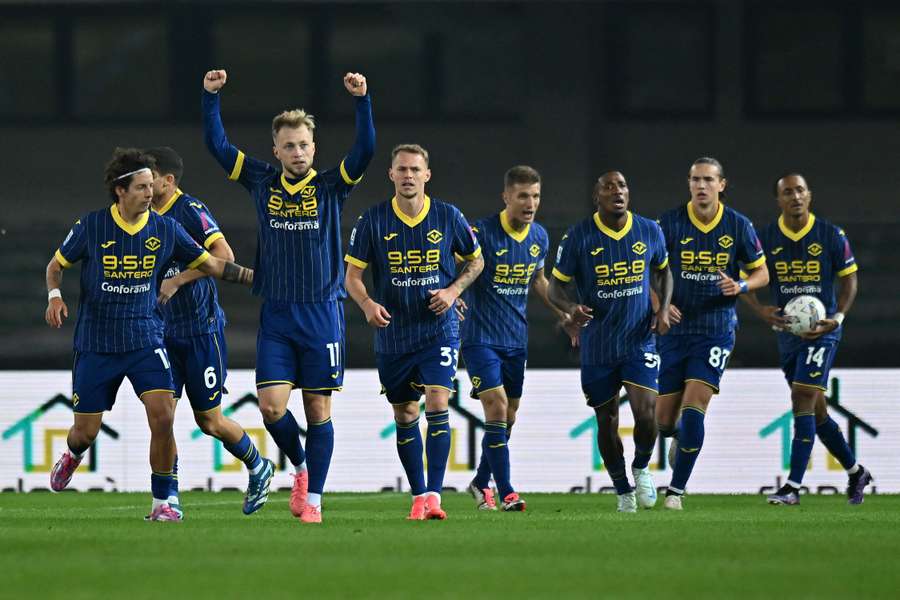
(210, 424)
(271, 412)
(161, 422)
(803, 399)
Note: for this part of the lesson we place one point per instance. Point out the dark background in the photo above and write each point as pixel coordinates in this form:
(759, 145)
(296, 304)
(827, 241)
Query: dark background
(573, 89)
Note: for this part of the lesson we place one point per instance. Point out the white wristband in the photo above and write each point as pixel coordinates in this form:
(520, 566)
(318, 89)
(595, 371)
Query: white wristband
(54, 293)
(839, 317)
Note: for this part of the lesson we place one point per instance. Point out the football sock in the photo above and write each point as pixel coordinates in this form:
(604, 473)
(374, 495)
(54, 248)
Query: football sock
(494, 446)
(409, 449)
(801, 447)
(314, 499)
(641, 456)
(854, 470)
(483, 473)
(319, 447)
(173, 490)
(160, 484)
(690, 440)
(76, 454)
(830, 434)
(437, 448)
(286, 434)
(246, 452)
(612, 452)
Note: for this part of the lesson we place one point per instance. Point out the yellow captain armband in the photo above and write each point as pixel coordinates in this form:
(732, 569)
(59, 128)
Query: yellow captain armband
(851, 269)
(346, 176)
(238, 165)
(355, 261)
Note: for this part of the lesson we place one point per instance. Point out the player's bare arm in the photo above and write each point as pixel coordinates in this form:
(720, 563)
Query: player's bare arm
(443, 299)
(540, 284)
(227, 271)
(662, 283)
(847, 288)
(757, 278)
(558, 294)
(169, 287)
(214, 80)
(376, 314)
(56, 307)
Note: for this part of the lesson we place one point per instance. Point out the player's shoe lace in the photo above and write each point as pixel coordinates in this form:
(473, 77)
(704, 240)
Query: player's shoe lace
(644, 488)
(62, 471)
(258, 487)
(299, 492)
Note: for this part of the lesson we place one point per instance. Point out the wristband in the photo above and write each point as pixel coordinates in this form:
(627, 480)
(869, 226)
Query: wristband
(54, 293)
(839, 317)
(742, 283)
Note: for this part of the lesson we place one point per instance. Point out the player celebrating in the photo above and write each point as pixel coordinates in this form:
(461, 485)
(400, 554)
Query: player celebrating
(299, 274)
(194, 336)
(708, 243)
(410, 242)
(126, 249)
(807, 253)
(495, 334)
(610, 256)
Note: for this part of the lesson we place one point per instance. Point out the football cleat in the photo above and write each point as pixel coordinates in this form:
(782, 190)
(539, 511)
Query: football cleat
(644, 487)
(417, 512)
(433, 508)
(63, 470)
(626, 503)
(673, 502)
(299, 492)
(311, 514)
(164, 512)
(175, 504)
(512, 503)
(484, 497)
(786, 494)
(856, 485)
(258, 487)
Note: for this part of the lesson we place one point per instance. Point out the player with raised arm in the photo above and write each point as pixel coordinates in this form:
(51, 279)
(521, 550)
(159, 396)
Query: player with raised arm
(805, 255)
(125, 249)
(708, 243)
(410, 241)
(614, 258)
(495, 333)
(195, 323)
(299, 274)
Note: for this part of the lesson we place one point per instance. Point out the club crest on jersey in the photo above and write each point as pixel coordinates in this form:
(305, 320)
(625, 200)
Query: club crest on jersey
(390, 236)
(106, 245)
(152, 244)
(476, 381)
(434, 236)
(815, 249)
(308, 191)
(639, 248)
(726, 241)
(534, 250)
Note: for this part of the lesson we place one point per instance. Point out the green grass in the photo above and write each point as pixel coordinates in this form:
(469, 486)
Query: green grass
(96, 545)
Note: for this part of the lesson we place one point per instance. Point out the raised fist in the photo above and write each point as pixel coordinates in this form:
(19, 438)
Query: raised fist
(213, 81)
(354, 82)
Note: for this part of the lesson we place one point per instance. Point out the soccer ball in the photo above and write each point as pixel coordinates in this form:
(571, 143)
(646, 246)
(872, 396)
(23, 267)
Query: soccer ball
(802, 314)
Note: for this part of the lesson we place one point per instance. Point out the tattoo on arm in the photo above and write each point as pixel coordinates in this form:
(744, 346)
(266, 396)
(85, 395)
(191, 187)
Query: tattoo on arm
(236, 273)
(470, 273)
(662, 284)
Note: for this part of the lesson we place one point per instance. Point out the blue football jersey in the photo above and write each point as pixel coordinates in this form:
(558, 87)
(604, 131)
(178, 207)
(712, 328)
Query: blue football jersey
(611, 270)
(409, 257)
(498, 299)
(122, 267)
(806, 263)
(698, 251)
(194, 309)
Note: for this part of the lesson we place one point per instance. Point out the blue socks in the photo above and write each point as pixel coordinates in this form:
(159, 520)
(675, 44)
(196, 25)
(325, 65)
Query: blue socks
(244, 450)
(161, 484)
(494, 447)
(286, 434)
(409, 449)
(690, 440)
(319, 447)
(801, 447)
(830, 434)
(641, 457)
(437, 448)
(483, 474)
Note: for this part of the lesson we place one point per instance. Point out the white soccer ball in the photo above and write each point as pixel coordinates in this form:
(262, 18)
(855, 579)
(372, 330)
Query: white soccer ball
(802, 314)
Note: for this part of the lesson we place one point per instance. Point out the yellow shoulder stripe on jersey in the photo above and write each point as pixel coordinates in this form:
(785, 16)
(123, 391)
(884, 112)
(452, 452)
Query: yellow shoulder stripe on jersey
(561, 276)
(65, 263)
(508, 228)
(743, 274)
(616, 235)
(474, 255)
(843, 272)
(199, 260)
(347, 179)
(756, 263)
(165, 208)
(124, 225)
(664, 264)
(238, 165)
(796, 236)
(406, 219)
(213, 238)
(355, 261)
(705, 227)
(293, 188)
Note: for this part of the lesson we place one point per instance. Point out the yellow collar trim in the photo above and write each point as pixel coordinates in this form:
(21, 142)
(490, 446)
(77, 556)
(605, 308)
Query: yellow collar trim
(508, 228)
(796, 236)
(169, 202)
(293, 188)
(411, 221)
(616, 235)
(128, 227)
(705, 227)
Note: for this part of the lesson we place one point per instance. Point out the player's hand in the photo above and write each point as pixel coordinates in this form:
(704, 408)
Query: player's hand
(56, 310)
(727, 285)
(167, 289)
(674, 315)
(442, 300)
(570, 329)
(376, 314)
(822, 327)
(355, 84)
(214, 81)
(662, 321)
(581, 315)
(773, 316)
(461, 307)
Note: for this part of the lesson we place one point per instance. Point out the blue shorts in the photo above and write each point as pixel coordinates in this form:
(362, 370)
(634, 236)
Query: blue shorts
(405, 376)
(199, 364)
(810, 363)
(96, 377)
(301, 344)
(493, 367)
(601, 383)
(692, 357)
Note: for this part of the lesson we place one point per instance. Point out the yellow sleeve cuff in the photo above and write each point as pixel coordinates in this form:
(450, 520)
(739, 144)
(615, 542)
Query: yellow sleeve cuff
(756, 263)
(561, 276)
(842, 273)
(355, 261)
(664, 264)
(66, 264)
(238, 165)
(474, 255)
(346, 176)
(212, 239)
(199, 260)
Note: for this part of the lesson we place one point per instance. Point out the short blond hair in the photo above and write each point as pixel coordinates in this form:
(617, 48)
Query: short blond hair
(410, 149)
(293, 119)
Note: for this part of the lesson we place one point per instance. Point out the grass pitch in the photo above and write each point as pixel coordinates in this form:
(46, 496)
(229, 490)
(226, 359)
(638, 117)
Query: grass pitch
(96, 545)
